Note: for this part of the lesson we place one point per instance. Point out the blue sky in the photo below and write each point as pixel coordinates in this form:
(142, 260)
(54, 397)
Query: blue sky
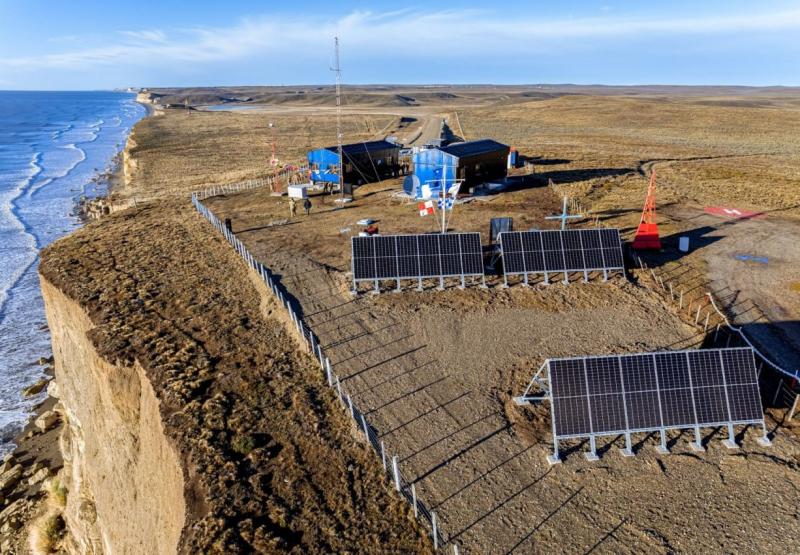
(103, 44)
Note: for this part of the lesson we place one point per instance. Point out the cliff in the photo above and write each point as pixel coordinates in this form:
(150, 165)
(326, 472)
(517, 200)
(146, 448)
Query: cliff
(193, 422)
(122, 472)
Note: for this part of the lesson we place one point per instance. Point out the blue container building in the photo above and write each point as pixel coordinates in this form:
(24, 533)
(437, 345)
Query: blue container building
(363, 162)
(474, 161)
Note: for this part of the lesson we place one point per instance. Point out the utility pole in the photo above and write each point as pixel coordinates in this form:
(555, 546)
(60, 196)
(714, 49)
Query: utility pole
(338, 72)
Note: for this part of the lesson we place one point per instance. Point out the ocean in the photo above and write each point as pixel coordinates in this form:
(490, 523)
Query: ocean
(53, 148)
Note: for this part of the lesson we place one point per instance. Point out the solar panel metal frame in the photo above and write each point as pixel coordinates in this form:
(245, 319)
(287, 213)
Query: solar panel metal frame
(469, 258)
(694, 382)
(545, 245)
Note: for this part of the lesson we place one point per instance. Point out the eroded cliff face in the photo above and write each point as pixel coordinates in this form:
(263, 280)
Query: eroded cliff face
(125, 483)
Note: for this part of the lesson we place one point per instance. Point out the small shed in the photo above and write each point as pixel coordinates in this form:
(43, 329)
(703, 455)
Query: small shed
(474, 161)
(363, 162)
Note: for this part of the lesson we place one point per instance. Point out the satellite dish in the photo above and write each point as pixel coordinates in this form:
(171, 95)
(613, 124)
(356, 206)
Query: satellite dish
(411, 185)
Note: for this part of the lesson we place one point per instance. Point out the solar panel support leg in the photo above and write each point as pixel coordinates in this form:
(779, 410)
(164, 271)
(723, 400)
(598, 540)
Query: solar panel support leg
(662, 448)
(730, 443)
(463, 282)
(505, 281)
(554, 458)
(397, 289)
(483, 282)
(605, 275)
(585, 276)
(764, 441)
(377, 288)
(546, 279)
(441, 283)
(566, 278)
(697, 444)
(628, 451)
(592, 454)
(419, 285)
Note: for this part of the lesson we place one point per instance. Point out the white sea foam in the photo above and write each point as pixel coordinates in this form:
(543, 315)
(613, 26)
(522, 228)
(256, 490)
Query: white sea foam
(42, 171)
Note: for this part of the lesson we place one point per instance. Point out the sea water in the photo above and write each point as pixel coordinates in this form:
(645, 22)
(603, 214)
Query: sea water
(53, 147)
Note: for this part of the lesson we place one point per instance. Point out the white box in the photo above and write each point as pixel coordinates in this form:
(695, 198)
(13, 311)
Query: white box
(297, 191)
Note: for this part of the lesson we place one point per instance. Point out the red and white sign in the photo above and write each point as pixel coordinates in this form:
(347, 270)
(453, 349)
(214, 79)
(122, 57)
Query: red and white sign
(733, 213)
(426, 208)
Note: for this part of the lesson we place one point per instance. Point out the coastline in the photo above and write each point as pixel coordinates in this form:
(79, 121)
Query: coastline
(28, 471)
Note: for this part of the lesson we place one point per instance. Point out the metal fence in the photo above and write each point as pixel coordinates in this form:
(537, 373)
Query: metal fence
(390, 462)
(707, 307)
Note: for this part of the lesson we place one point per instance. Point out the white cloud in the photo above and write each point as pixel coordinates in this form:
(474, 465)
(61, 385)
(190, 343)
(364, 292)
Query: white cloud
(404, 32)
(154, 35)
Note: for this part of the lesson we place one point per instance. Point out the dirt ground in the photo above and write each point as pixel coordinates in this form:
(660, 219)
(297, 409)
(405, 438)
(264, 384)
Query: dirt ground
(435, 373)
(274, 465)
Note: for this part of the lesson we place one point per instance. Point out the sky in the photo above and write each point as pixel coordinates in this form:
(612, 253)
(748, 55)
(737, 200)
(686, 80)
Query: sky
(90, 44)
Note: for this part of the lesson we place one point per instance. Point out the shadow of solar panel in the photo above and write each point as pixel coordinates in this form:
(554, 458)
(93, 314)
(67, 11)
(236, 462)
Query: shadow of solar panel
(571, 416)
(672, 370)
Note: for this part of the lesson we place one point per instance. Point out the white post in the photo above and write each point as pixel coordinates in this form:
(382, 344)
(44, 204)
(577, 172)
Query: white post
(794, 407)
(697, 316)
(383, 455)
(435, 531)
(396, 472)
(328, 371)
(364, 424)
(414, 500)
(352, 409)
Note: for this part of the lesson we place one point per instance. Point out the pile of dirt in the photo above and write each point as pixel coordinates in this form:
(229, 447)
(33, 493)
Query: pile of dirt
(271, 461)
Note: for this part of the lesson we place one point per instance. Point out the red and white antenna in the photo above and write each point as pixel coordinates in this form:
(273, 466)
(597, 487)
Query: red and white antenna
(647, 234)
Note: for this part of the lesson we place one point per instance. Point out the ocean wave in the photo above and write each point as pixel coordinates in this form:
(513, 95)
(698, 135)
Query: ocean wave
(37, 186)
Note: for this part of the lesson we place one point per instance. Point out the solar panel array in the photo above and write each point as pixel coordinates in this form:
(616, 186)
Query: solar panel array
(618, 394)
(396, 257)
(554, 251)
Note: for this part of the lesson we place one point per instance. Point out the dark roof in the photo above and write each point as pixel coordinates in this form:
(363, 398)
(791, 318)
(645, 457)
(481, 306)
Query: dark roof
(360, 148)
(472, 148)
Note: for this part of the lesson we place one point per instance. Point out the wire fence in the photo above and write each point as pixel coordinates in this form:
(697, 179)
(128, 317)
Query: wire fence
(719, 313)
(712, 305)
(390, 462)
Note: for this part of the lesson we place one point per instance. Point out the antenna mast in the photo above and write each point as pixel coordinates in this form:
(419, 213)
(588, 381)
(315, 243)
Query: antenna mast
(338, 72)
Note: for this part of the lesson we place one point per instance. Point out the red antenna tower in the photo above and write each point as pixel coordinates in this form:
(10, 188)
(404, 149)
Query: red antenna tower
(647, 235)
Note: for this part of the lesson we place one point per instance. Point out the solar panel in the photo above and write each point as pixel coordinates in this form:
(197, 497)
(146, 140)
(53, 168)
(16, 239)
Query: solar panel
(549, 252)
(652, 392)
(397, 257)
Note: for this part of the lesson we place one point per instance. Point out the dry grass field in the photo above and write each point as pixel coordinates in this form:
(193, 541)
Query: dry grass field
(435, 371)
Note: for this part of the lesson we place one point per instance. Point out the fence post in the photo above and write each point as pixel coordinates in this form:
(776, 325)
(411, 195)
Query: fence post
(705, 326)
(396, 472)
(777, 391)
(435, 531)
(339, 387)
(680, 303)
(697, 316)
(352, 409)
(364, 423)
(414, 500)
(328, 371)
(383, 455)
(455, 549)
(794, 406)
